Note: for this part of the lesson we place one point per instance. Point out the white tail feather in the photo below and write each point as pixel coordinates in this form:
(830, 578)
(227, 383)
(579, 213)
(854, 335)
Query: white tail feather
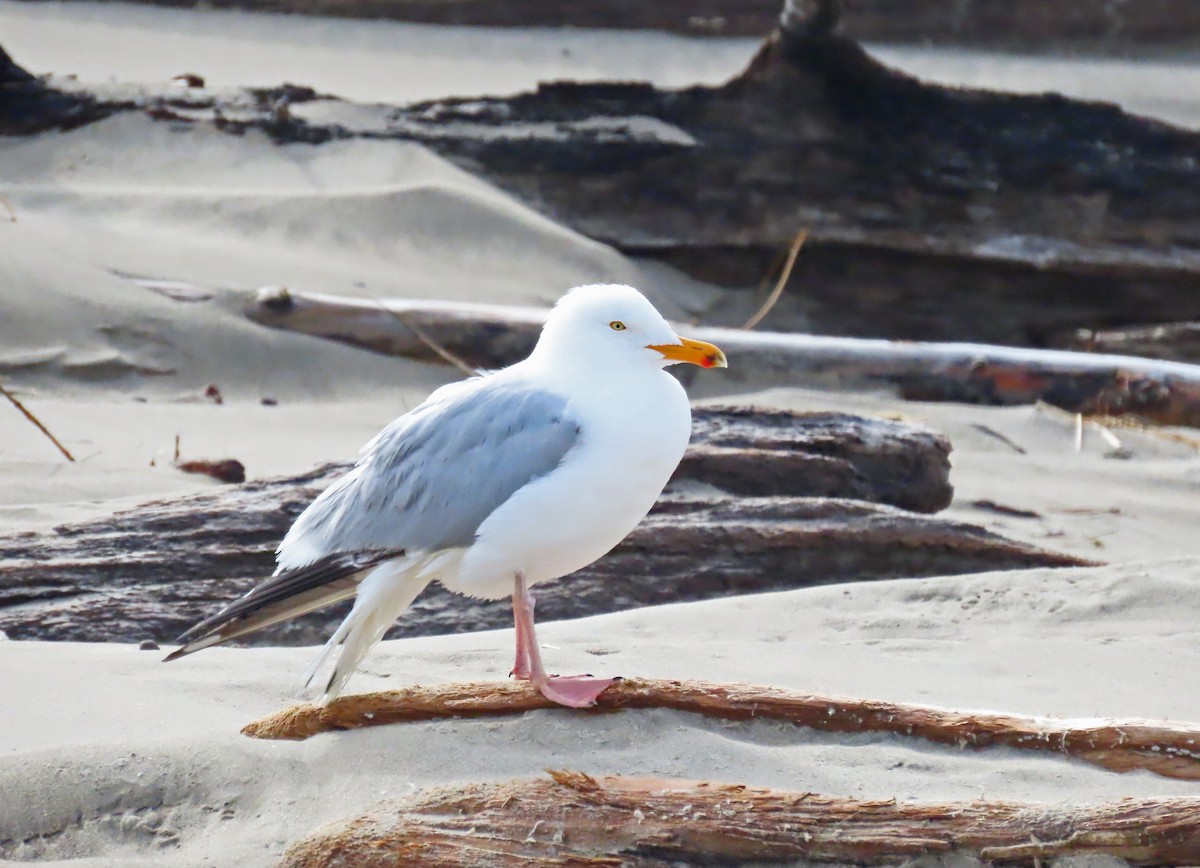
(383, 596)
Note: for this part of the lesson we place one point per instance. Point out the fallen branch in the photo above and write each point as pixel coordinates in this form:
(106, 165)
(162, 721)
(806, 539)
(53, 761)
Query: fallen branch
(1165, 748)
(36, 421)
(489, 336)
(575, 819)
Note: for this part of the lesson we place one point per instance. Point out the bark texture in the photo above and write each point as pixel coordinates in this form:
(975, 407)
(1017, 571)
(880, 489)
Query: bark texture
(150, 572)
(574, 819)
(943, 213)
(1162, 747)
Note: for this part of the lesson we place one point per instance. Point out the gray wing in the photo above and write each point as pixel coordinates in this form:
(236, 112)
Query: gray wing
(429, 480)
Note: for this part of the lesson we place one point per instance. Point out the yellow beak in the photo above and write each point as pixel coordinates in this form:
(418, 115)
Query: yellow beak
(693, 352)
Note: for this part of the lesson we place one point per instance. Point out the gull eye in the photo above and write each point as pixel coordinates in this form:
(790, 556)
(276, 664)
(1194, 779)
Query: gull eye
(617, 326)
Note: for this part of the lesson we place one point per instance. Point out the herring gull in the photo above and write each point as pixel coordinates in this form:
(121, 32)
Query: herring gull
(491, 486)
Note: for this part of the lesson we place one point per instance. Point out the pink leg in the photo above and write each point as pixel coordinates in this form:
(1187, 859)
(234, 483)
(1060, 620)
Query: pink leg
(575, 691)
(522, 668)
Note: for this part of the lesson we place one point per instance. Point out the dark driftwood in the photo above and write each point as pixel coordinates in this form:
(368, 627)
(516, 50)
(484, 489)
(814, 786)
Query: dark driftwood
(28, 105)
(935, 213)
(494, 335)
(1024, 25)
(149, 572)
(1165, 748)
(575, 819)
(1173, 340)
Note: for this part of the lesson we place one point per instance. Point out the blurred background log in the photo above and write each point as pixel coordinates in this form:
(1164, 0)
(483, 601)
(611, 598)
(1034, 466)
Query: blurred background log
(490, 336)
(1179, 340)
(943, 213)
(1028, 25)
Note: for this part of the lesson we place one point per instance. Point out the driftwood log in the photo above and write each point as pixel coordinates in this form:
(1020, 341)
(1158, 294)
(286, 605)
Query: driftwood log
(935, 213)
(1165, 748)
(28, 105)
(1022, 24)
(1173, 340)
(151, 571)
(943, 214)
(575, 819)
(494, 335)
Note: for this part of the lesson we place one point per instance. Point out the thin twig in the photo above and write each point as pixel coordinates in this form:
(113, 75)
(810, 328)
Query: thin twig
(992, 432)
(34, 419)
(424, 338)
(793, 252)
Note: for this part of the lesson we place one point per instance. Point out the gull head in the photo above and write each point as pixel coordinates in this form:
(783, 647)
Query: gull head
(607, 324)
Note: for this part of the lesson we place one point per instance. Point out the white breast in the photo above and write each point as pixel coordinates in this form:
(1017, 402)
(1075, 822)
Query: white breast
(631, 442)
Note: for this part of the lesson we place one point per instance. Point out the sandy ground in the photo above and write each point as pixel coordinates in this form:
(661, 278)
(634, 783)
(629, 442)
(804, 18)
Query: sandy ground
(109, 758)
(131, 762)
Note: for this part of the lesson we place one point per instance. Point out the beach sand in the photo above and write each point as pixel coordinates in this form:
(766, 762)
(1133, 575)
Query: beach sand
(110, 758)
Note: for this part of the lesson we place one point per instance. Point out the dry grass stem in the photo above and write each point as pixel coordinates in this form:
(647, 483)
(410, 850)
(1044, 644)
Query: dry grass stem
(996, 435)
(777, 292)
(433, 345)
(34, 419)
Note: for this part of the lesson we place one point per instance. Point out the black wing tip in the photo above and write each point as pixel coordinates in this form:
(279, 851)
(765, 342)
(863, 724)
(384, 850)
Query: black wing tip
(213, 628)
(176, 654)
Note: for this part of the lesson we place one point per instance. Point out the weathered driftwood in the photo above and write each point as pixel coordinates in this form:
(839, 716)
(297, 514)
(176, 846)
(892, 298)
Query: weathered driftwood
(152, 572)
(1022, 24)
(935, 213)
(1172, 340)
(28, 105)
(495, 335)
(575, 819)
(1165, 748)
(148, 572)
